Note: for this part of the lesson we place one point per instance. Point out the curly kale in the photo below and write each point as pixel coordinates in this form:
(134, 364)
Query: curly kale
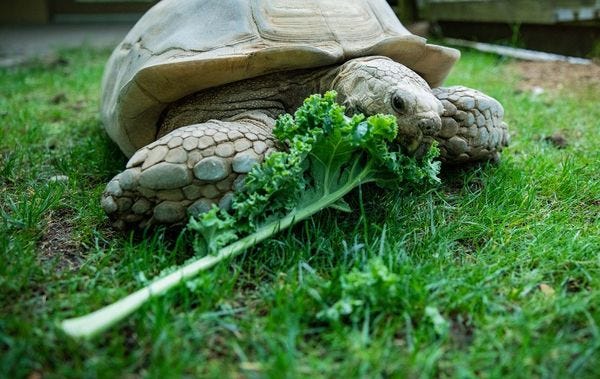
(328, 155)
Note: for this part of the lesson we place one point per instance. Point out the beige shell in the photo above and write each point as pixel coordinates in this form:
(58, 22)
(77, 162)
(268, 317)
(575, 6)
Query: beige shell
(182, 46)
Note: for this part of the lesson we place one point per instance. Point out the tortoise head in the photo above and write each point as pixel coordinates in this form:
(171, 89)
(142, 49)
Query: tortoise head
(374, 85)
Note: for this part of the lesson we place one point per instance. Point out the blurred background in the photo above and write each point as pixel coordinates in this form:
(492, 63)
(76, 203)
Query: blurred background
(568, 27)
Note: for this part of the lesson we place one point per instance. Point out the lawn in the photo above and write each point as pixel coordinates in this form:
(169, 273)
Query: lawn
(493, 273)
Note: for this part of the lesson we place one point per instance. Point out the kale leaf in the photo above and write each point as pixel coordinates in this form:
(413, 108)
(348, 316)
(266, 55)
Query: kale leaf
(328, 155)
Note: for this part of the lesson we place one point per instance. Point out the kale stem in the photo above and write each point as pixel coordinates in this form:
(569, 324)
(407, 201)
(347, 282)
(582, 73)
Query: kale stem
(89, 325)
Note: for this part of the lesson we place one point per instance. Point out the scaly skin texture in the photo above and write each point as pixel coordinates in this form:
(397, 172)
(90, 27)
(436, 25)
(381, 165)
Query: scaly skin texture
(379, 85)
(187, 171)
(472, 126)
(208, 141)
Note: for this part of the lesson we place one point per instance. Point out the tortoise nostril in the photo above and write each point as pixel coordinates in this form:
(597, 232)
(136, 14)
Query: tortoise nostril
(429, 126)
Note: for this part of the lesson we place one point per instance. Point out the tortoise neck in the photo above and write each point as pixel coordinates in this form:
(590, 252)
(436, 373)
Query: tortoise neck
(271, 94)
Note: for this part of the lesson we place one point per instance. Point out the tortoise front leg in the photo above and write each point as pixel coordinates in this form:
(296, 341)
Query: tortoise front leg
(472, 126)
(187, 171)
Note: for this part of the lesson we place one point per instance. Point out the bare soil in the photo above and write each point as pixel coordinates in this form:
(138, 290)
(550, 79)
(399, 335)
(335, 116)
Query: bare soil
(57, 243)
(553, 76)
(558, 139)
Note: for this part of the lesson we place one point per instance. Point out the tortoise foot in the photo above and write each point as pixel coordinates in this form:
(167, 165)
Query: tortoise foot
(472, 126)
(185, 172)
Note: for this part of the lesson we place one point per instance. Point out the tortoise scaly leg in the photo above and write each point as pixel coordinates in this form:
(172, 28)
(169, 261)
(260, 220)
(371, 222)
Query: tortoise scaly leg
(472, 126)
(187, 171)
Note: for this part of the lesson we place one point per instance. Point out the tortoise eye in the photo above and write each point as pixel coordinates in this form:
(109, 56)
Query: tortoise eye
(398, 103)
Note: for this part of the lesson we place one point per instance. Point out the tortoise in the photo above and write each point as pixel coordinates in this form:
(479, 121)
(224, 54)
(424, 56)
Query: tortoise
(192, 93)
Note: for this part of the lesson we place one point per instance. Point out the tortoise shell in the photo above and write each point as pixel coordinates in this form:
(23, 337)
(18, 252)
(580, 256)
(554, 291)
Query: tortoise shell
(183, 46)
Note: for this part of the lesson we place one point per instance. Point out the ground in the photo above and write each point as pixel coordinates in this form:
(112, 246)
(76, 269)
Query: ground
(553, 76)
(493, 273)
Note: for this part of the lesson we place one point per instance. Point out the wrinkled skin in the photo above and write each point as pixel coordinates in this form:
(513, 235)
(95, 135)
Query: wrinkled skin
(378, 85)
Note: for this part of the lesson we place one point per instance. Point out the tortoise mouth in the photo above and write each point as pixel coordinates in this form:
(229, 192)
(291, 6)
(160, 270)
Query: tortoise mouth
(416, 148)
(416, 137)
(422, 148)
(414, 142)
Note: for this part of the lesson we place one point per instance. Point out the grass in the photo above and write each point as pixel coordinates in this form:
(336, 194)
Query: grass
(495, 273)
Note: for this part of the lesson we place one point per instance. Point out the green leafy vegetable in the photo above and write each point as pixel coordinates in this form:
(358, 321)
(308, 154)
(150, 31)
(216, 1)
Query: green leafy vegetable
(373, 288)
(329, 154)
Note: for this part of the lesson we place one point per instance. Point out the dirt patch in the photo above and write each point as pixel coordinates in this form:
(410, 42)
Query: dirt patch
(59, 98)
(554, 76)
(57, 244)
(461, 330)
(558, 139)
